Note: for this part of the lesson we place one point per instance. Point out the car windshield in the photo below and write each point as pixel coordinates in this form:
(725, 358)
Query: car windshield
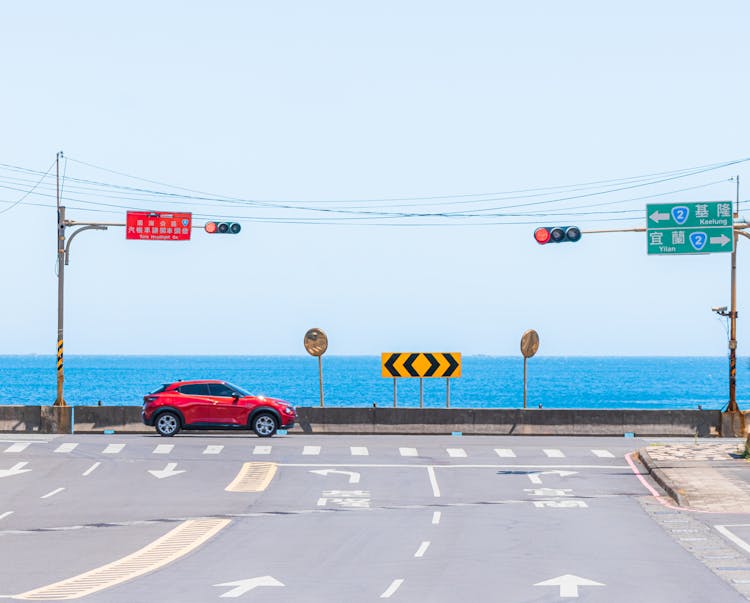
(241, 390)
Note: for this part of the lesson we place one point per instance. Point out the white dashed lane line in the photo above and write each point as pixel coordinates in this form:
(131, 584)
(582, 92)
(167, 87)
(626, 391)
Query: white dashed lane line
(68, 447)
(51, 494)
(505, 452)
(163, 449)
(392, 588)
(311, 450)
(262, 450)
(18, 447)
(113, 449)
(213, 449)
(408, 451)
(456, 453)
(359, 450)
(436, 518)
(433, 482)
(91, 469)
(422, 549)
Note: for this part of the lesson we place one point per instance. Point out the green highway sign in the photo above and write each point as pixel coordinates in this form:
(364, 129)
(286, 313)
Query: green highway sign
(679, 228)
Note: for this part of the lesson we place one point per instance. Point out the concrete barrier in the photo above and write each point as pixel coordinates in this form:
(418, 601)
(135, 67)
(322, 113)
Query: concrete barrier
(469, 421)
(20, 419)
(504, 421)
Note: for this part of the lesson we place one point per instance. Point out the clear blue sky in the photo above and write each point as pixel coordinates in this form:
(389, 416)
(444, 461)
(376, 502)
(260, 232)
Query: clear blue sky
(339, 105)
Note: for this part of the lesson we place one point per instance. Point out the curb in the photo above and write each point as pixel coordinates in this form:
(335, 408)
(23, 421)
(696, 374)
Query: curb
(661, 478)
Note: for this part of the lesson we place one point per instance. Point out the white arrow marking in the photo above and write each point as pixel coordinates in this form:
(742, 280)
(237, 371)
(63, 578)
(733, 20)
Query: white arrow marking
(569, 584)
(722, 240)
(536, 479)
(168, 471)
(656, 216)
(353, 475)
(243, 586)
(16, 469)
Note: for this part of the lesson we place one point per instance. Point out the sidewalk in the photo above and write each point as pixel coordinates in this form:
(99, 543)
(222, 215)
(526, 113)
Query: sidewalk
(702, 476)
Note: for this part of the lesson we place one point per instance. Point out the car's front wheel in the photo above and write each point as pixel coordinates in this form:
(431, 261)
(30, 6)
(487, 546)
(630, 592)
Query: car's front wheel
(264, 424)
(167, 424)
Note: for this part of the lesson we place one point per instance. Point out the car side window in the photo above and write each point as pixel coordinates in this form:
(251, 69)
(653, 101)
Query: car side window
(194, 389)
(219, 389)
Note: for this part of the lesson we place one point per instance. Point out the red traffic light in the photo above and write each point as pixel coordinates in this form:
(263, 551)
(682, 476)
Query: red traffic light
(557, 234)
(222, 227)
(541, 235)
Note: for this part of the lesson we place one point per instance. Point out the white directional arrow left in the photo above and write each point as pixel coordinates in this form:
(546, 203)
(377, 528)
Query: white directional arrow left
(16, 469)
(569, 584)
(656, 216)
(535, 477)
(168, 471)
(243, 586)
(722, 240)
(353, 475)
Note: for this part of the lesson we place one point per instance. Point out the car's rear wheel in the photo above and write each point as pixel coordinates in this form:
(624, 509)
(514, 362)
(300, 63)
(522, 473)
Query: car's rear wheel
(264, 425)
(167, 424)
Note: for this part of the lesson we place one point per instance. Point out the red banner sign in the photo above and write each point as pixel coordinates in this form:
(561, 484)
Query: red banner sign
(158, 226)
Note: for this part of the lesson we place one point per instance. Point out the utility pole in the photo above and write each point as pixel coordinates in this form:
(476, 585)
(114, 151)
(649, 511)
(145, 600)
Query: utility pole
(60, 400)
(63, 254)
(732, 405)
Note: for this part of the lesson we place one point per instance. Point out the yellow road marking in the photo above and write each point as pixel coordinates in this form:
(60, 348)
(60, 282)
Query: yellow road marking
(173, 545)
(253, 477)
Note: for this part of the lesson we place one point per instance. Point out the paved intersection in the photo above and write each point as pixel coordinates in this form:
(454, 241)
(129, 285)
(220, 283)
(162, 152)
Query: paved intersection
(356, 518)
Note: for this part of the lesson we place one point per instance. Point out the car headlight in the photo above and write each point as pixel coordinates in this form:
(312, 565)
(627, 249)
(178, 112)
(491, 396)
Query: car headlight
(289, 410)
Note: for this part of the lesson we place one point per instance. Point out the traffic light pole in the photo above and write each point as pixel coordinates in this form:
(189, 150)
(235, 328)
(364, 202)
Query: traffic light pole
(63, 258)
(739, 230)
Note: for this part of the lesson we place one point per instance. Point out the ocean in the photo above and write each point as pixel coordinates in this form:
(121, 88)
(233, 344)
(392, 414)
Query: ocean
(486, 381)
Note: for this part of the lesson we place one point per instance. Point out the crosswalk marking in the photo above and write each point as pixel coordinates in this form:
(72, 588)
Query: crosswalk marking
(603, 454)
(316, 450)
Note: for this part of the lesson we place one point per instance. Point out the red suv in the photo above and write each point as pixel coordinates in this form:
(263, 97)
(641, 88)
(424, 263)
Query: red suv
(209, 404)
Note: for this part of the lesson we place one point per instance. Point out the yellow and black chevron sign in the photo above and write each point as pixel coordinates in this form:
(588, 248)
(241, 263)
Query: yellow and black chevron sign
(421, 364)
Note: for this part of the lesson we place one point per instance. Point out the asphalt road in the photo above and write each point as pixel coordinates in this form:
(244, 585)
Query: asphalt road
(122, 518)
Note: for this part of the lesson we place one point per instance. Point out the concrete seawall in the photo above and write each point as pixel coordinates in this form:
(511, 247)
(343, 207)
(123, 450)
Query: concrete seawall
(469, 421)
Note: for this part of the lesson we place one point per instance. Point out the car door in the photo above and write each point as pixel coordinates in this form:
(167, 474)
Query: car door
(195, 403)
(227, 408)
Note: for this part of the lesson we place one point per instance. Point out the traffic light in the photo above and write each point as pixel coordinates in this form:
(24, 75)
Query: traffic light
(557, 234)
(222, 227)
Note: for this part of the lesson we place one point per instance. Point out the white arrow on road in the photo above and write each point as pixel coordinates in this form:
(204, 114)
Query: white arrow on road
(168, 471)
(722, 240)
(656, 216)
(353, 475)
(16, 469)
(569, 584)
(243, 586)
(536, 479)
